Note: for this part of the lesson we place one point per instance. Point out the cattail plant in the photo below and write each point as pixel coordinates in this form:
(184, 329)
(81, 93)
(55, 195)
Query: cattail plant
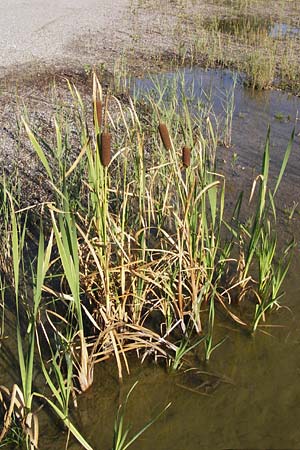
(105, 148)
(105, 139)
(186, 156)
(165, 137)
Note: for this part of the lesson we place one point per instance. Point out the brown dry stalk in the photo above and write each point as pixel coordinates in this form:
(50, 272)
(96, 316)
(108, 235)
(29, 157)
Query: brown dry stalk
(180, 296)
(164, 134)
(186, 156)
(105, 148)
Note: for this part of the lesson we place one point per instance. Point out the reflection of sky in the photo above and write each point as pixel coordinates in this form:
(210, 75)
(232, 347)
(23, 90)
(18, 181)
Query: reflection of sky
(282, 29)
(253, 112)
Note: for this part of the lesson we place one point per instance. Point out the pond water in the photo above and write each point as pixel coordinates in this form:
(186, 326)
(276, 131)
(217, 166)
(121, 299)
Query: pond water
(283, 29)
(242, 25)
(257, 405)
(258, 408)
(252, 26)
(253, 112)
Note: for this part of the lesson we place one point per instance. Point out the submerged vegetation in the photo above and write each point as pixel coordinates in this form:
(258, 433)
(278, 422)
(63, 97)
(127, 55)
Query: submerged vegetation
(134, 250)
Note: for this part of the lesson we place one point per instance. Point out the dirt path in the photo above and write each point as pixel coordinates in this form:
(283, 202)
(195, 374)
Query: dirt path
(69, 33)
(33, 30)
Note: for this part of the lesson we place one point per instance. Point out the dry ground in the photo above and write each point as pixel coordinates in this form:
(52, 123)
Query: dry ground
(125, 36)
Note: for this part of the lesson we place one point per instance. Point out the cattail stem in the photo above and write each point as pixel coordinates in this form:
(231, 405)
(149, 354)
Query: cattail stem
(186, 156)
(105, 113)
(180, 296)
(165, 137)
(105, 148)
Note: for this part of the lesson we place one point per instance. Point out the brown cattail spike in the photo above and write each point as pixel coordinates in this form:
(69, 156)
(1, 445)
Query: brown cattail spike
(105, 148)
(99, 112)
(186, 156)
(165, 137)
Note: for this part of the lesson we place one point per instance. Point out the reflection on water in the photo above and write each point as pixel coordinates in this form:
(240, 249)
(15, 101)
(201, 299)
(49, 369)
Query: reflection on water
(258, 409)
(242, 25)
(283, 29)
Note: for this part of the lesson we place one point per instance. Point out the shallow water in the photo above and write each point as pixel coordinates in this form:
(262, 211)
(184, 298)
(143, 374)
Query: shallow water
(242, 25)
(282, 29)
(258, 409)
(253, 27)
(253, 112)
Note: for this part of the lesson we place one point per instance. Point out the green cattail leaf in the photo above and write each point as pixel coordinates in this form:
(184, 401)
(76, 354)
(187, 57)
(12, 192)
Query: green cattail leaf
(38, 149)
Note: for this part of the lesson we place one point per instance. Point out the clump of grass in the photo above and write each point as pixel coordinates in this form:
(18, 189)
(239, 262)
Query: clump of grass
(260, 70)
(243, 38)
(145, 248)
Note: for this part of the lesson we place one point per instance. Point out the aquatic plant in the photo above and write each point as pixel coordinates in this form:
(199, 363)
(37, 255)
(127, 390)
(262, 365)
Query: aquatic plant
(165, 137)
(142, 253)
(121, 440)
(186, 156)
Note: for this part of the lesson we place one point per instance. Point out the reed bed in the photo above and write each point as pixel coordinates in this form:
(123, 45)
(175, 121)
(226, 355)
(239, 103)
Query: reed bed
(143, 260)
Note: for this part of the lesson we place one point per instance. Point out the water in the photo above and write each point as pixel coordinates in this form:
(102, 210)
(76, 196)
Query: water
(243, 25)
(253, 112)
(283, 29)
(253, 26)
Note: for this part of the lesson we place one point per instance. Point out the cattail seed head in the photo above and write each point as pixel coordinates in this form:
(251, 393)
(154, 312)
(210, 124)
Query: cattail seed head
(105, 149)
(164, 134)
(186, 156)
(98, 111)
